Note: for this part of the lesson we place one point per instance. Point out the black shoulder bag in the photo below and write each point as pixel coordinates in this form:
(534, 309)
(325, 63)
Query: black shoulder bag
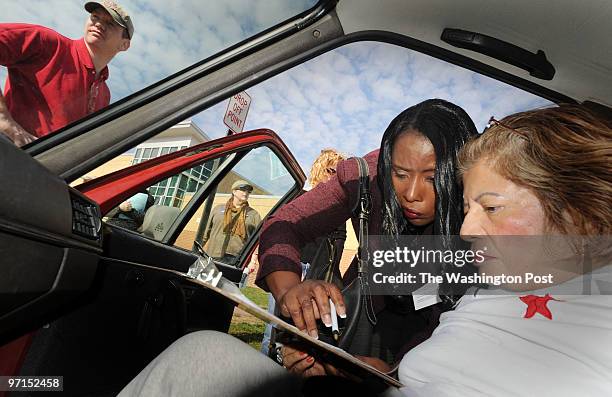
(357, 293)
(357, 298)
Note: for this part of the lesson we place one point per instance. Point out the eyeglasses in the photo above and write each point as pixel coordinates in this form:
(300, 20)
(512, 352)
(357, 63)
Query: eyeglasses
(493, 122)
(100, 17)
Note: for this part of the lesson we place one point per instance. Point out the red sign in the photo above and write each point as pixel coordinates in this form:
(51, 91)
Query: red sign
(236, 112)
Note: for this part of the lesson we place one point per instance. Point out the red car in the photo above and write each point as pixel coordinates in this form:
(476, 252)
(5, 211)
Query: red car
(76, 299)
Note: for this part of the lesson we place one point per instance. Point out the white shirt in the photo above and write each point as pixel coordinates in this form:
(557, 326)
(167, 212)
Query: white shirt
(487, 347)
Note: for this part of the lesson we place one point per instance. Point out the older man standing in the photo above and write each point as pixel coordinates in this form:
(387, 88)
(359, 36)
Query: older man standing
(231, 224)
(53, 80)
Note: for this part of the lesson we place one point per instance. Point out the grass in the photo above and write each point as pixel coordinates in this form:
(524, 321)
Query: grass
(246, 327)
(248, 332)
(257, 295)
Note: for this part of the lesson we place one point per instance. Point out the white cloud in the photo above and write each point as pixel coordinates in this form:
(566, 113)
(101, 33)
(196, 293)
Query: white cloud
(348, 97)
(388, 89)
(169, 35)
(343, 99)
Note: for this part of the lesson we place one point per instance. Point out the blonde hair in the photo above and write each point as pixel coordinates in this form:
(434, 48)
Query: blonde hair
(563, 155)
(328, 159)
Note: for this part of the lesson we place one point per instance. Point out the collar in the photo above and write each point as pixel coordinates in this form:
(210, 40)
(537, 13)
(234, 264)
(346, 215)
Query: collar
(597, 282)
(85, 58)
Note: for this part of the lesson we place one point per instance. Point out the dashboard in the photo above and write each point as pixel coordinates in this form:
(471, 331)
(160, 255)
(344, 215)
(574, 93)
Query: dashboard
(50, 243)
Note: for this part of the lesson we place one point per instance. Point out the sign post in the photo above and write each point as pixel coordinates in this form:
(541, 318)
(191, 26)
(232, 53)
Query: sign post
(236, 113)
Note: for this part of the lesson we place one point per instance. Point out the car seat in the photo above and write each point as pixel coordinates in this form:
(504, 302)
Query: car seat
(157, 221)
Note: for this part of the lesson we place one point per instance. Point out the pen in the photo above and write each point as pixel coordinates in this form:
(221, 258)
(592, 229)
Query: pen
(334, 319)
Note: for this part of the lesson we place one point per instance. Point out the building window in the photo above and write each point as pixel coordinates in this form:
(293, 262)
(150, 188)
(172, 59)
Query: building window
(144, 154)
(171, 191)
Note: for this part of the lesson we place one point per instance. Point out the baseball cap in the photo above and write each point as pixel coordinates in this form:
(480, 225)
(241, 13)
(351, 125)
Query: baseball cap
(119, 15)
(242, 185)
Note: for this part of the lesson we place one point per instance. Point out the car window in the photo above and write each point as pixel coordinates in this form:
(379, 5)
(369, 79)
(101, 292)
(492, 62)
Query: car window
(232, 213)
(153, 210)
(166, 38)
(346, 98)
(254, 185)
(343, 99)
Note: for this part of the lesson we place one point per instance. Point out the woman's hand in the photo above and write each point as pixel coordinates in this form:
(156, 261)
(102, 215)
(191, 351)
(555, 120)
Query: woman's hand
(376, 363)
(308, 301)
(301, 363)
(373, 361)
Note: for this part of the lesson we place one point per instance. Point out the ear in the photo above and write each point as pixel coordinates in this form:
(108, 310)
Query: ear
(125, 44)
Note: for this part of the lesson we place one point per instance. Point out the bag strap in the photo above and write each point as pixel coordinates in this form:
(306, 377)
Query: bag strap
(362, 211)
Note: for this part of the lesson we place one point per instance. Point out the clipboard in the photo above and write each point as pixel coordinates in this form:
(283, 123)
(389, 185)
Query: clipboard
(205, 274)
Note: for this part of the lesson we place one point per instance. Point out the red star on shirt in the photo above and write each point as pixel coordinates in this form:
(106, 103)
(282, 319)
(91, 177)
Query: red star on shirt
(537, 304)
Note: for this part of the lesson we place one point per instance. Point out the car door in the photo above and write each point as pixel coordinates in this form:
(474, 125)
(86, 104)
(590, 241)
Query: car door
(88, 343)
(134, 309)
(79, 148)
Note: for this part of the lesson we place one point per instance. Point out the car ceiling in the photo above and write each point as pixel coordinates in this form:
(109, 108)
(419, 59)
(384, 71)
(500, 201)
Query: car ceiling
(575, 35)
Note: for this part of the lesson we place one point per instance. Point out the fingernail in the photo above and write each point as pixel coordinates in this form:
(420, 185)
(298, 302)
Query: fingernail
(314, 334)
(310, 359)
(302, 354)
(341, 311)
(327, 320)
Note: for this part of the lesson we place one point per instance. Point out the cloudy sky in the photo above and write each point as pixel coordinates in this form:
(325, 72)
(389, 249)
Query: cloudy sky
(343, 99)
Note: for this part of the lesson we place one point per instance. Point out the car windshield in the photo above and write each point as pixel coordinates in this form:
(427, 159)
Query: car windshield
(343, 99)
(346, 98)
(167, 37)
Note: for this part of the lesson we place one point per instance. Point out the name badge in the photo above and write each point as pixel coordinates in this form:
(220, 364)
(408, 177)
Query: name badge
(425, 296)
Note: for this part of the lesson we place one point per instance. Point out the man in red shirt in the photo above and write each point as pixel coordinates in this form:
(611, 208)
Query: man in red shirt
(53, 80)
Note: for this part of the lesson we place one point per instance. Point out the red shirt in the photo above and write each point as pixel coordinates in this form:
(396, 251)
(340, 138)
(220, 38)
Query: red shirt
(51, 78)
